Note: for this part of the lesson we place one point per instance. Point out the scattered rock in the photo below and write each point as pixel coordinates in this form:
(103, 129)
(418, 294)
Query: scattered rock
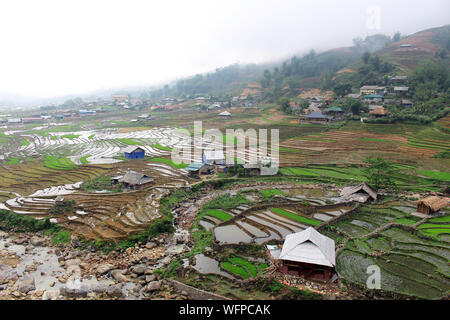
(72, 262)
(114, 292)
(7, 274)
(150, 245)
(150, 278)
(153, 286)
(104, 268)
(139, 268)
(74, 292)
(26, 284)
(119, 276)
(36, 241)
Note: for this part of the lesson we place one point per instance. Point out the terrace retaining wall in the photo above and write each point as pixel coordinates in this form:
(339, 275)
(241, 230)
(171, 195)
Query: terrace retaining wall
(194, 293)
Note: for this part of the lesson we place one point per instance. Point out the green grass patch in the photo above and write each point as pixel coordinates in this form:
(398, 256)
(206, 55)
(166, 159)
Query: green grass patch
(59, 163)
(91, 136)
(406, 221)
(158, 146)
(251, 268)
(100, 183)
(129, 141)
(83, 159)
(296, 217)
(13, 161)
(269, 193)
(234, 269)
(62, 236)
(437, 175)
(440, 219)
(25, 142)
(226, 202)
(219, 214)
(23, 223)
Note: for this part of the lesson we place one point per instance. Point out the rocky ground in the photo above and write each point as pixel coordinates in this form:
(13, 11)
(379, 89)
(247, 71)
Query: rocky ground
(32, 268)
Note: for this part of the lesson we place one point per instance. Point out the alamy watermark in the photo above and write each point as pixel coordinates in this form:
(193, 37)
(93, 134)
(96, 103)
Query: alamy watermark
(243, 147)
(374, 280)
(373, 18)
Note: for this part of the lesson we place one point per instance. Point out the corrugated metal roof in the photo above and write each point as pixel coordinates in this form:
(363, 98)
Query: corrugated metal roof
(309, 246)
(316, 115)
(194, 166)
(130, 149)
(135, 178)
(225, 113)
(213, 155)
(347, 191)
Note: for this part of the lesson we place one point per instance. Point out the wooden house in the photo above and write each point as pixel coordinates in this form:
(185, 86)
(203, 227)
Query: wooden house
(135, 180)
(213, 157)
(198, 168)
(308, 254)
(432, 204)
(360, 193)
(314, 117)
(134, 152)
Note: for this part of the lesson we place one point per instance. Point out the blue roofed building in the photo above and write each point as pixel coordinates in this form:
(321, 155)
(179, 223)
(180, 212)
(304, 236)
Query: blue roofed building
(134, 152)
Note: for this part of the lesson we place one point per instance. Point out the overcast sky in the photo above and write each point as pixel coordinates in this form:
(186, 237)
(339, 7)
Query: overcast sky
(52, 48)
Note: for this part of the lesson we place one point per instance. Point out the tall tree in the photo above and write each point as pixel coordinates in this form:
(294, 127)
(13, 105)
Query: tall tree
(379, 173)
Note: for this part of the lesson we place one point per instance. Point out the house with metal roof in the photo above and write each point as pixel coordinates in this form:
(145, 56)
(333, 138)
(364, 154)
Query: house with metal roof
(224, 114)
(213, 157)
(360, 193)
(135, 180)
(314, 116)
(198, 168)
(308, 254)
(133, 152)
(373, 97)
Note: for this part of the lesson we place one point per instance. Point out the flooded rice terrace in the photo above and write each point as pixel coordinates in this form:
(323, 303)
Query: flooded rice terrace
(297, 211)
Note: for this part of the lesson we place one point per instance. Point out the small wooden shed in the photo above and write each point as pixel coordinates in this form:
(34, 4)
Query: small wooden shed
(432, 204)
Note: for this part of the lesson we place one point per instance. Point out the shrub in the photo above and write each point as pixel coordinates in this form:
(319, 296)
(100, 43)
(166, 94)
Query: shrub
(66, 206)
(22, 223)
(62, 236)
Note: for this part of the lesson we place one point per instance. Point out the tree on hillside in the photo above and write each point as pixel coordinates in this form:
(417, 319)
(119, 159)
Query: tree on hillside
(428, 79)
(366, 57)
(342, 89)
(354, 105)
(396, 37)
(379, 173)
(284, 104)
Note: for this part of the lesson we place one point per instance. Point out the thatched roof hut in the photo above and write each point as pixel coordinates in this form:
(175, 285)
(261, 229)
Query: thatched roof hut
(432, 204)
(379, 112)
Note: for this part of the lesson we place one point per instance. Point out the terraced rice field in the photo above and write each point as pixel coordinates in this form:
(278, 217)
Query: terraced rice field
(410, 265)
(102, 215)
(32, 176)
(354, 142)
(262, 226)
(242, 267)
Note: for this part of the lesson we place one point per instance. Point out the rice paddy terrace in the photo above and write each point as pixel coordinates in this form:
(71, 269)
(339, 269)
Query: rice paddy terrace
(408, 144)
(103, 215)
(412, 254)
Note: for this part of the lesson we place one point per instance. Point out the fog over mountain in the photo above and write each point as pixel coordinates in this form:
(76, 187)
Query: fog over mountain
(59, 48)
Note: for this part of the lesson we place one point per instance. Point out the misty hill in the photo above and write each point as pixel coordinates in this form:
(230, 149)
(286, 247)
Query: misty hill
(325, 70)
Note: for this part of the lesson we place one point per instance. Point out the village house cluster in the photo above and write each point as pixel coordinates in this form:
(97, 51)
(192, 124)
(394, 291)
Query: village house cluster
(325, 108)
